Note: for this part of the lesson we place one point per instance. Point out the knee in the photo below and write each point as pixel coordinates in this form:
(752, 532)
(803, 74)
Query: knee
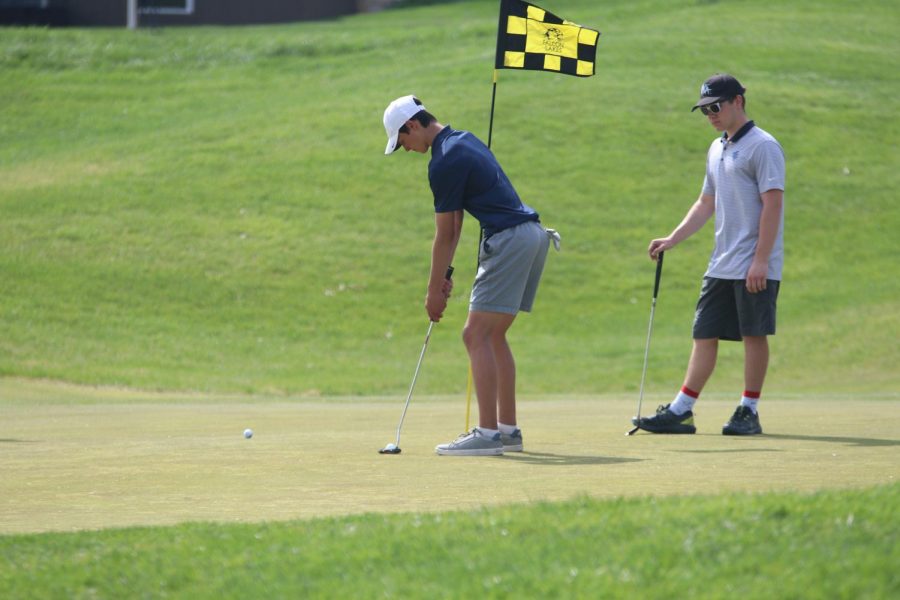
(474, 336)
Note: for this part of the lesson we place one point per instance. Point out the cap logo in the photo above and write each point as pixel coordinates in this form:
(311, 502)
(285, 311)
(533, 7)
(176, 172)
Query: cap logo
(705, 90)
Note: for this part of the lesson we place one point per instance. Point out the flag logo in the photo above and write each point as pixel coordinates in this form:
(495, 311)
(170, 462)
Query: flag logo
(554, 41)
(529, 37)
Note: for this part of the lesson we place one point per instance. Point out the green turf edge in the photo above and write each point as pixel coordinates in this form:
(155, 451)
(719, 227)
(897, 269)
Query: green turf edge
(831, 544)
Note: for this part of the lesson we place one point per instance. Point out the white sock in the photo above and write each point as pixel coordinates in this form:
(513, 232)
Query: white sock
(751, 403)
(488, 433)
(507, 429)
(684, 401)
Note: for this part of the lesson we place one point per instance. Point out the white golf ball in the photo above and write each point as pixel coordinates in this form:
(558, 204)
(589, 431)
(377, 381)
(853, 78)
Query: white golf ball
(248, 433)
(391, 447)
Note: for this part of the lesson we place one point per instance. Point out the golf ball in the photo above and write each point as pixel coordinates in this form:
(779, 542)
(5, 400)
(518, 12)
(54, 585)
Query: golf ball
(390, 447)
(248, 433)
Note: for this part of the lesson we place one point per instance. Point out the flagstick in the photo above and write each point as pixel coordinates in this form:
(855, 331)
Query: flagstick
(468, 398)
(500, 28)
(493, 101)
(503, 30)
(478, 250)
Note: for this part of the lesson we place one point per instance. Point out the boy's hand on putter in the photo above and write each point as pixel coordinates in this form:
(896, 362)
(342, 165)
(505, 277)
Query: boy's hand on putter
(435, 304)
(447, 287)
(657, 246)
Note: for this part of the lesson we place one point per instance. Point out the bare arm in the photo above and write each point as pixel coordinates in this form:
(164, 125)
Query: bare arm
(769, 221)
(696, 217)
(447, 230)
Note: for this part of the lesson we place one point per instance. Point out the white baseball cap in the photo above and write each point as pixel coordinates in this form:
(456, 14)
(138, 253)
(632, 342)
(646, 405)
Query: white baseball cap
(396, 115)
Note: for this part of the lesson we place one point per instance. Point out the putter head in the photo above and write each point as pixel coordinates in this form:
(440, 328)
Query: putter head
(390, 449)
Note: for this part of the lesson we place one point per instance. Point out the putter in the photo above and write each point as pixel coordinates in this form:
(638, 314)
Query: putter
(394, 448)
(659, 261)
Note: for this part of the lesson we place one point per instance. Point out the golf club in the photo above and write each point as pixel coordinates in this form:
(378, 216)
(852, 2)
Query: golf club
(637, 421)
(394, 448)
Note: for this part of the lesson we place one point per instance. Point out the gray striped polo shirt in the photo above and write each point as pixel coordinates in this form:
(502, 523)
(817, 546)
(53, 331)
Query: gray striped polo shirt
(737, 172)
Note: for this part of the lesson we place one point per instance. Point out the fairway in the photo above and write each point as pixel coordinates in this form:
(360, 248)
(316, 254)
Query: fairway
(83, 458)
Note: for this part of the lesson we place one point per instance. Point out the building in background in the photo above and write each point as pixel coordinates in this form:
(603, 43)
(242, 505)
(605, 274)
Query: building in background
(156, 13)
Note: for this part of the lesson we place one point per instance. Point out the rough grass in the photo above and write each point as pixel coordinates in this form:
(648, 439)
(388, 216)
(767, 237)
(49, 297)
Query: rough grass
(208, 208)
(824, 545)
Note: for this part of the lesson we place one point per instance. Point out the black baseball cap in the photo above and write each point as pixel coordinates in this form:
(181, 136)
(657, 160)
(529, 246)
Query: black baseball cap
(719, 87)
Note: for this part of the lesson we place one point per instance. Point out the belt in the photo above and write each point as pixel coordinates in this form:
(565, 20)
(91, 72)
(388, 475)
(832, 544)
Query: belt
(486, 233)
(554, 236)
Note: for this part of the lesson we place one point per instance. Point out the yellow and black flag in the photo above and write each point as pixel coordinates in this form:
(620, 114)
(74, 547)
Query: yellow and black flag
(529, 37)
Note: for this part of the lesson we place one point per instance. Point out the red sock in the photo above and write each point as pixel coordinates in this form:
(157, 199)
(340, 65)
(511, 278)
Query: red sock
(751, 401)
(694, 394)
(684, 401)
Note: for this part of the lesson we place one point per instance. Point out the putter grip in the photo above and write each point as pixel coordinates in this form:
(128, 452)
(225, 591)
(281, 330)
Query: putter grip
(659, 260)
(449, 274)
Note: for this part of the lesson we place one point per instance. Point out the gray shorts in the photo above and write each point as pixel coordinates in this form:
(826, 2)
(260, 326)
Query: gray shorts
(509, 270)
(726, 310)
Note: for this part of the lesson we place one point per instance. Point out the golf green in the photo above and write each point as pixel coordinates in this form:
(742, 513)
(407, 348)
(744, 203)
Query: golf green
(83, 458)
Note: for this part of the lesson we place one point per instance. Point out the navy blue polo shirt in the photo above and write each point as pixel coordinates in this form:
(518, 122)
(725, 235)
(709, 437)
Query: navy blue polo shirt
(464, 174)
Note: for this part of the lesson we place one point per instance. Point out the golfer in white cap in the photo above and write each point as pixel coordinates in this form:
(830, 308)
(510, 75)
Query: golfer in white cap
(465, 176)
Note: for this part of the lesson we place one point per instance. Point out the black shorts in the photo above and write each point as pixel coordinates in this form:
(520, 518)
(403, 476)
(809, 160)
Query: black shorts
(726, 310)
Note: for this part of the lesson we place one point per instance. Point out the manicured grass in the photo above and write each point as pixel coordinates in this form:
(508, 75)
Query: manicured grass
(808, 510)
(836, 544)
(208, 209)
(79, 458)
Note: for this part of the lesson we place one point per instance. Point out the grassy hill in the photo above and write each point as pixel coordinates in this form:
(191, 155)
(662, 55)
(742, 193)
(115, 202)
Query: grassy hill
(208, 209)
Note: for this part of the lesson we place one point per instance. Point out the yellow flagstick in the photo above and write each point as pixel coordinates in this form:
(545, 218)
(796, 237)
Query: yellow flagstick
(468, 398)
(512, 24)
(469, 385)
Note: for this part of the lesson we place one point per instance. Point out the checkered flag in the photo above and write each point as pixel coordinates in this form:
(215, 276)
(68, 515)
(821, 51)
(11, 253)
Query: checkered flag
(529, 37)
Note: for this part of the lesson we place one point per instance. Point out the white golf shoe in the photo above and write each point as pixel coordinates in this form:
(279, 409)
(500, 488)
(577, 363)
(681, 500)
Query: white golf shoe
(473, 443)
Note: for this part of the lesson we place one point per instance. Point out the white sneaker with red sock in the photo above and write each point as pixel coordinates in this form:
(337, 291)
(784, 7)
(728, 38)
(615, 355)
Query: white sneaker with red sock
(684, 401)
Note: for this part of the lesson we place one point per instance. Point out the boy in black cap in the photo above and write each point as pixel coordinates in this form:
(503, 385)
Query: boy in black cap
(744, 190)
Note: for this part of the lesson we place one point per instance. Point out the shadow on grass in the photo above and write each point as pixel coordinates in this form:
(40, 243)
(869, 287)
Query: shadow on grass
(545, 458)
(15, 441)
(727, 450)
(828, 439)
(850, 441)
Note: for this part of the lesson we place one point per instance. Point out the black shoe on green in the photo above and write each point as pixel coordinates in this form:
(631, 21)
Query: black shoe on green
(665, 421)
(743, 422)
